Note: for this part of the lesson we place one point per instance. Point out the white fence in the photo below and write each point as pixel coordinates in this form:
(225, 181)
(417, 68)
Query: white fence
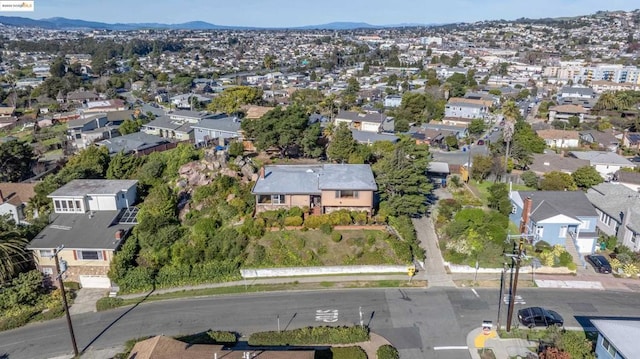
(457, 268)
(311, 271)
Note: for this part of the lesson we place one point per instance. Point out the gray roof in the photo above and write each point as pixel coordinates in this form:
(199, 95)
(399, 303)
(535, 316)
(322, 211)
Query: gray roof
(603, 158)
(83, 187)
(441, 127)
(438, 167)
(371, 137)
(584, 91)
(361, 117)
(628, 177)
(132, 142)
(614, 199)
(85, 119)
(190, 114)
(546, 162)
(620, 333)
(226, 124)
(548, 204)
(166, 123)
(80, 231)
(312, 179)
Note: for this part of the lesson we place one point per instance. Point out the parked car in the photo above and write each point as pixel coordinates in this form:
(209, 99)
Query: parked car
(599, 263)
(480, 142)
(539, 317)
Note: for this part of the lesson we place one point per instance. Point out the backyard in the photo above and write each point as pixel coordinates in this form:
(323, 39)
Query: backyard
(317, 248)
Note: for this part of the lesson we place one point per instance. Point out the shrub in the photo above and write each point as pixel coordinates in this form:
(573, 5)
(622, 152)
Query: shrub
(564, 259)
(107, 303)
(455, 181)
(530, 179)
(311, 335)
(72, 285)
(340, 218)
(387, 352)
(359, 218)
(615, 264)
(326, 228)
(624, 258)
(572, 266)
(295, 212)
(210, 337)
(341, 353)
(315, 220)
(259, 254)
(293, 221)
(630, 269)
(406, 230)
(236, 149)
(336, 237)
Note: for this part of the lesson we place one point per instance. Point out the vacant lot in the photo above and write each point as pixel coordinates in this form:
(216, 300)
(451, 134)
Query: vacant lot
(315, 248)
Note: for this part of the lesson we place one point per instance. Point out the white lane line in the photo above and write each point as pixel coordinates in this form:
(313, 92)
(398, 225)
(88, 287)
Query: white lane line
(10, 344)
(476, 293)
(451, 348)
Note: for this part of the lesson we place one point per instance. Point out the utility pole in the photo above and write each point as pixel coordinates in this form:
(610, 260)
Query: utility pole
(501, 294)
(516, 258)
(61, 269)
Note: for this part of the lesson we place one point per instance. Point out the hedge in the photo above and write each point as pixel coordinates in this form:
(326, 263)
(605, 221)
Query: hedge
(107, 303)
(210, 337)
(387, 352)
(311, 335)
(407, 231)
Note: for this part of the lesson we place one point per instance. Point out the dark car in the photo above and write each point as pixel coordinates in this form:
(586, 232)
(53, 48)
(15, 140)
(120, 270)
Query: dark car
(599, 263)
(539, 317)
(480, 142)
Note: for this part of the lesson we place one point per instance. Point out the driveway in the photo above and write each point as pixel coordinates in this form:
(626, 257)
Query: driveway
(85, 301)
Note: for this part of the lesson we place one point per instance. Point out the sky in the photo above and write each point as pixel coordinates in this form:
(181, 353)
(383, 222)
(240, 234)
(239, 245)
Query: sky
(292, 13)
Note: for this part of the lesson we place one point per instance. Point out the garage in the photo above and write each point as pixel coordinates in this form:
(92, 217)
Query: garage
(95, 281)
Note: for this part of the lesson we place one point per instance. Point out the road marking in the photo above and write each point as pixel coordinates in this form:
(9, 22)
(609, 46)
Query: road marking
(10, 344)
(518, 300)
(452, 348)
(327, 316)
(476, 293)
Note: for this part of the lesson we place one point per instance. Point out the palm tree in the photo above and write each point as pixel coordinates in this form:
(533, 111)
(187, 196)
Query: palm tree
(13, 254)
(511, 112)
(607, 101)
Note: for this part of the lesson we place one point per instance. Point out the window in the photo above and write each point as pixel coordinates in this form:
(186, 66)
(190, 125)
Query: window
(68, 206)
(585, 223)
(277, 199)
(347, 194)
(539, 231)
(89, 255)
(609, 347)
(47, 270)
(46, 253)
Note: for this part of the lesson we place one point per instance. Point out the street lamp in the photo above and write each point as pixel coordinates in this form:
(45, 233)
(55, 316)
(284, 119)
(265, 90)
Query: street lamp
(61, 268)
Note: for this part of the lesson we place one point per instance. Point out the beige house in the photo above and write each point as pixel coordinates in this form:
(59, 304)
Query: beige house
(322, 188)
(560, 138)
(90, 222)
(564, 112)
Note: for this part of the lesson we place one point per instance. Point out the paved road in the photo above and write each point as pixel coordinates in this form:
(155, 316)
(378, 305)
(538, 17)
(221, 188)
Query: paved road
(420, 322)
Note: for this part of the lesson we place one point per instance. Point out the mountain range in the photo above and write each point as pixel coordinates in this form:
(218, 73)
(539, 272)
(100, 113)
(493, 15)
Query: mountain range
(61, 23)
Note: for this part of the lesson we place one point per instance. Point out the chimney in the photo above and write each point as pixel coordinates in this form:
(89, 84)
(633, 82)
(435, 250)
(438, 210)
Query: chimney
(119, 234)
(526, 212)
(262, 172)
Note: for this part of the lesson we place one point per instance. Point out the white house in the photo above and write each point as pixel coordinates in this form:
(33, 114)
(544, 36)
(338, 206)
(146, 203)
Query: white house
(606, 163)
(560, 138)
(369, 122)
(81, 196)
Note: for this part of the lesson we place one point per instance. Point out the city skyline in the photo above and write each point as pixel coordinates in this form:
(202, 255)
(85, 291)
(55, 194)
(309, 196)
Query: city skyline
(286, 13)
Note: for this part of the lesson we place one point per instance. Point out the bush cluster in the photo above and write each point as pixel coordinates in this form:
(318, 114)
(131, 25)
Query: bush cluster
(387, 352)
(311, 335)
(407, 231)
(107, 303)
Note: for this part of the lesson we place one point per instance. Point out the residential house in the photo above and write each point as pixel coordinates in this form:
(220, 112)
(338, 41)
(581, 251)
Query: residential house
(631, 140)
(137, 85)
(85, 130)
(581, 92)
(615, 338)
(219, 128)
(601, 140)
(368, 138)
(103, 106)
(628, 179)
(82, 96)
(164, 126)
(467, 108)
(560, 138)
(547, 162)
(492, 100)
(322, 188)
(603, 86)
(7, 112)
(162, 347)
(186, 101)
(618, 209)
(438, 173)
(90, 222)
(606, 163)
(457, 121)
(392, 101)
(27, 82)
(564, 112)
(254, 112)
(361, 121)
(14, 198)
(138, 144)
(566, 218)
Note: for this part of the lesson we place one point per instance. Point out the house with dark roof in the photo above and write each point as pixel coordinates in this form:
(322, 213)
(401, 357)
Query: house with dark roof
(628, 179)
(87, 129)
(322, 188)
(164, 126)
(369, 138)
(370, 122)
(601, 140)
(566, 218)
(618, 209)
(14, 198)
(549, 161)
(138, 143)
(162, 347)
(90, 219)
(564, 112)
(615, 338)
(631, 140)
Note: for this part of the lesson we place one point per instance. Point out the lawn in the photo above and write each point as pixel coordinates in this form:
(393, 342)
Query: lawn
(483, 188)
(315, 248)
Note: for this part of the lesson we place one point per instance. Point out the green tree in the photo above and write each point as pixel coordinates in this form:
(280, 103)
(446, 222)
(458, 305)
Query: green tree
(451, 141)
(530, 179)
(14, 256)
(557, 181)
(58, 67)
(310, 99)
(310, 142)
(477, 126)
(16, 160)
(401, 179)
(231, 99)
(160, 203)
(130, 126)
(586, 177)
(499, 198)
(481, 167)
(278, 128)
(123, 166)
(342, 144)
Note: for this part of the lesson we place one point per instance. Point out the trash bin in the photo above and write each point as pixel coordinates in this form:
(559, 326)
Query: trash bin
(603, 246)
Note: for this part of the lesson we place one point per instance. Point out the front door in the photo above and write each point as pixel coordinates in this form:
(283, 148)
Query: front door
(563, 232)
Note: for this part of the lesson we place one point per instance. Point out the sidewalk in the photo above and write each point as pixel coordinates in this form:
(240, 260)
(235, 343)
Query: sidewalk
(502, 348)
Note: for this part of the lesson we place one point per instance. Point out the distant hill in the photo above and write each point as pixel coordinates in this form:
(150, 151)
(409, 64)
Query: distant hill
(64, 23)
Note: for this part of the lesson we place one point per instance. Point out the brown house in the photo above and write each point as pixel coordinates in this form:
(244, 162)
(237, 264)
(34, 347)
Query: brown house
(322, 188)
(161, 347)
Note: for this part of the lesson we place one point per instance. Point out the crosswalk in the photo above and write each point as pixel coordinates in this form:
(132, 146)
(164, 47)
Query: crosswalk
(517, 299)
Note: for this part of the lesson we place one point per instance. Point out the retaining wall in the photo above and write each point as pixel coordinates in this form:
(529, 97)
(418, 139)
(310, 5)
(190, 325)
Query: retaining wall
(312, 271)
